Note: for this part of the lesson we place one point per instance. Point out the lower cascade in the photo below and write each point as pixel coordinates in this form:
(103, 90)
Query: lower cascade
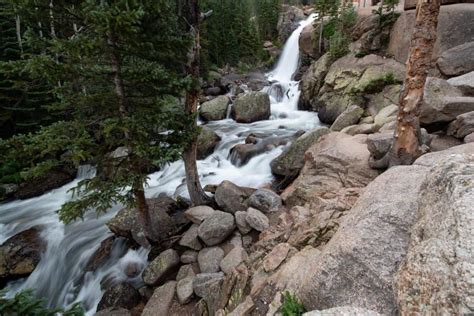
(61, 276)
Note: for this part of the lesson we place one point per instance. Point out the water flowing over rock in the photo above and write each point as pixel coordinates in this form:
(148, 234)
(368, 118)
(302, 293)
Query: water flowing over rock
(251, 107)
(288, 21)
(436, 276)
(214, 110)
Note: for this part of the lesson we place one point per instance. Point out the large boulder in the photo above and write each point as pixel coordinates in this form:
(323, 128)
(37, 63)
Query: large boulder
(349, 78)
(436, 276)
(336, 162)
(265, 200)
(207, 142)
(161, 267)
(290, 162)
(455, 27)
(464, 83)
(20, 255)
(309, 41)
(457, 61)
(216, 228)
(462, 126)
(312, 81)
(442, 102)
(358, 265)
(251, 107)
(288, 21)
(120, 295)
(231, 198)
(214, 110)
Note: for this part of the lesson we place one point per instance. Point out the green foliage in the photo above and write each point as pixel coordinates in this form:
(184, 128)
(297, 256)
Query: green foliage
(377, 85)
(291, 305)
(339, 45)
(24, 303)
(116, 69)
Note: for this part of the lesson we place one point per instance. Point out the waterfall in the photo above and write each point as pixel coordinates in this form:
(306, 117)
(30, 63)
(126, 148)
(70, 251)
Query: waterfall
(59, 277)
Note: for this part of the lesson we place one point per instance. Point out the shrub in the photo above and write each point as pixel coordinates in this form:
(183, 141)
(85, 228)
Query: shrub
(339, 45)
(376, 85)
(291, 305)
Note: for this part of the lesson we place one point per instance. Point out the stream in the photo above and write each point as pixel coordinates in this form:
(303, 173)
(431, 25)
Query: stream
(59, 277)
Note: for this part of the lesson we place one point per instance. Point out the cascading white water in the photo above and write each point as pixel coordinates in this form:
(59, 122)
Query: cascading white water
(60, 278)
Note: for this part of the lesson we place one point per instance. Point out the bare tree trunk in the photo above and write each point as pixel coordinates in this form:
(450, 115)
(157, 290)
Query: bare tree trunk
(196, 193)
(408, 145)
(321, 26)
(18, 32)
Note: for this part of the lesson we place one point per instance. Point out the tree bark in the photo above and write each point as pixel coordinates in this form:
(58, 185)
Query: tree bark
(408, 146)
(196, 193)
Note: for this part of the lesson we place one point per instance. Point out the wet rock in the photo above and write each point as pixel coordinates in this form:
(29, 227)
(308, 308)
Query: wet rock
(464, 83)
(198, 213)
(113, 312)
(189, 256)
(205, 284)
(349, 117)
(231, 198)
(457, 61)
(215, 109)
(161, 267)
(209, 259)
(443, 102)
(184, 290)
(367, 241)
(345, 311)
(241, 221)
(276, 257)
(265, 200)
(190, 238)
(20, 255)
(216, 228)
(160, 302)
(185, 271)
(462, 126)
(436, 276)
(121, 295)
(235, 257)
(101, 255)
(291, 160)
(241, 154)
(207, 142)
(251, 107)
(257, 220)
(379, 143)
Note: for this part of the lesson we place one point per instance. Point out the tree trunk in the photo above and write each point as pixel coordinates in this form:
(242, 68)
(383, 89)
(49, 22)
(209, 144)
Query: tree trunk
(18, 32)
(321, 26)
(143, 215)
(407, 145)
(196, 193)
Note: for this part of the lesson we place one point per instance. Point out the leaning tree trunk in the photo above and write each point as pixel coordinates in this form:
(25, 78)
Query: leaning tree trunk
(196, 192)
(408, 146)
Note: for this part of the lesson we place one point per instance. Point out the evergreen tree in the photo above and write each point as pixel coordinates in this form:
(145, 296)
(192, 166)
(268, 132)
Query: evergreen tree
(117, 69)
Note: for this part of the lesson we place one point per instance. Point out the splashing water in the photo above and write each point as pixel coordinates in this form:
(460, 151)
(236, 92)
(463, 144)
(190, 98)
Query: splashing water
(59, 277)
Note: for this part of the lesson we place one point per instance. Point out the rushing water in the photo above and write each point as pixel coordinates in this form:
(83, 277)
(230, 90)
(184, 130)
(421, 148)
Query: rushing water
(59, 277)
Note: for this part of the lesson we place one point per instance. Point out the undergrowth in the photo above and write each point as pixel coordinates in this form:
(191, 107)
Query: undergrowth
(291, 306)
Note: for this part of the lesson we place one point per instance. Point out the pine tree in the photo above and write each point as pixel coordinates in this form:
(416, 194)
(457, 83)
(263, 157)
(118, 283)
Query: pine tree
(117, 69)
